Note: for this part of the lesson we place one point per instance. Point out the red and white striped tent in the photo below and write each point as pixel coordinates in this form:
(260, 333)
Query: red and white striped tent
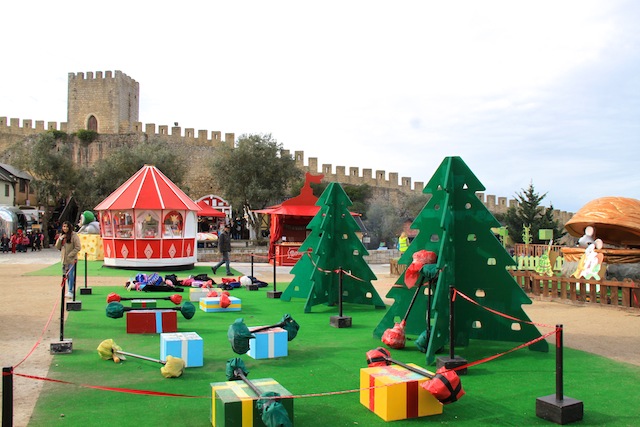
(148, 222)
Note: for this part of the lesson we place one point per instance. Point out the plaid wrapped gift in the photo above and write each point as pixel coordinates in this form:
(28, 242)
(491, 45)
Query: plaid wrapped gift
(196, 293)
(151, 321)
(396, 393)
(144, 303)
(234, 403)
(269, 343)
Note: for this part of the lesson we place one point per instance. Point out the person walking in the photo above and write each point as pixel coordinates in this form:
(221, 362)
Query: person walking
(224, 246)
(69, 245)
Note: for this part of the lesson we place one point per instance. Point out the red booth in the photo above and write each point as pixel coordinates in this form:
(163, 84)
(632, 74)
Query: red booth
(289, 222)
(148, 222)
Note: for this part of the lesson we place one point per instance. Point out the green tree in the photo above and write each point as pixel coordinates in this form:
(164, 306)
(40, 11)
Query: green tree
(358, 194)
(530, 212)
(331, 245)
(383, 222)
(101, 179)
(254, 174)
(457, 227)
(47, 157)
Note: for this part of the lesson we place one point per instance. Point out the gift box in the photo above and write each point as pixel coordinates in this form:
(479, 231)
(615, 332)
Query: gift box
(185, 345)
(394, 393)
(233, 402)
(212, 304)
(268, 344)
(144, 303)
(151, 321)
(196, 293)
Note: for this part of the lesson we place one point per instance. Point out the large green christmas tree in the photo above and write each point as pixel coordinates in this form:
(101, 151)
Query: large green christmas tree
(457, 227)
(331, 245)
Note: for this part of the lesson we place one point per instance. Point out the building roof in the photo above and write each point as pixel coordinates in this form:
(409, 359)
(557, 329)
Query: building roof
(148, 189)
(11, 170)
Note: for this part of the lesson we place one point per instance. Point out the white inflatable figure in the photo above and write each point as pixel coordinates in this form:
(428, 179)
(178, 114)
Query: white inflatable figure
(88, 223)
(245, 281)
(588, 238)
(592, 261)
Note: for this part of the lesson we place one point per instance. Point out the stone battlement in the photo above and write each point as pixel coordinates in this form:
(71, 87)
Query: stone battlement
(172, 133)
(353, 177)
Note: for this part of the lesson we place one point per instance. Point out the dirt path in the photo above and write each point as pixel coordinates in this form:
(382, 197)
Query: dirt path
(33, 320)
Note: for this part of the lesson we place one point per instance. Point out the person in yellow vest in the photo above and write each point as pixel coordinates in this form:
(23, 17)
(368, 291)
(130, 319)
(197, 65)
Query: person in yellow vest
(403, 243)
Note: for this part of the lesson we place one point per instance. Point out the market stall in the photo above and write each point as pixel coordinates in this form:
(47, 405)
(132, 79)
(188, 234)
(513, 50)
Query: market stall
(289, 222)
(208, 238)
(148, 222)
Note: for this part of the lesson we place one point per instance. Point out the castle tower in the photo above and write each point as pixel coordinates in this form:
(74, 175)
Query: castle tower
(107, 105)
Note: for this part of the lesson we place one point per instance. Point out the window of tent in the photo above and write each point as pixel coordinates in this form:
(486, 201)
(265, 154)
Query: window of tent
(123, 224)
(106, 226)
(173, 224)
(148, 225)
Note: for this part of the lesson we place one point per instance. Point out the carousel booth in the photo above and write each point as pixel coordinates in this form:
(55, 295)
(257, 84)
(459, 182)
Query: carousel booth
(148, 222)
(289, 221)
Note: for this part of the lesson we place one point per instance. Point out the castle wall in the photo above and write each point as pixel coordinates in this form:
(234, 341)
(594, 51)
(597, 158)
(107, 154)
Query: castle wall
(113, 99)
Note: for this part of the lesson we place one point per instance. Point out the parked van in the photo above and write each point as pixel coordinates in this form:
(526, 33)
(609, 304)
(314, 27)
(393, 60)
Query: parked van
(34, 217)
(12, 218)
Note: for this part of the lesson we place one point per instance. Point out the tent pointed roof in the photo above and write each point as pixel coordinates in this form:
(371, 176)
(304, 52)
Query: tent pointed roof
(207, 210)
(148, 189)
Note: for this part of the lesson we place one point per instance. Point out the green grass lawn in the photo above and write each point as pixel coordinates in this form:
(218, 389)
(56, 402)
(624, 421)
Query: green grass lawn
(322, 360)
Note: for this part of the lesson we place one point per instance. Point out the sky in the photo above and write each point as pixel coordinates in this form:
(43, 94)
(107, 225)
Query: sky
(525, 92)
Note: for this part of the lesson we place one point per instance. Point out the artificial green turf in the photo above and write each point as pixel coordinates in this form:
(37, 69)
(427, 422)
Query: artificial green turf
(97, 269)
(321, 360)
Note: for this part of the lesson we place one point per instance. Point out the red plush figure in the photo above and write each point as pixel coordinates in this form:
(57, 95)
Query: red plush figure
(420, 258)
(445, 386)
(224, 301)
(212, 294)
(395, 337)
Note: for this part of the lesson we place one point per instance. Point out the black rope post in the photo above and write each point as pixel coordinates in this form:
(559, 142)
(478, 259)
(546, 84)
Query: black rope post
(274, 294)
(7, 397)
(340, 278)
(340, 321)
(74, 305)
(452, 361)
(557, 407)
(85, 290)
(63, 346)
(559, 364)
(452, 322)
(251, 264)
(62, 288)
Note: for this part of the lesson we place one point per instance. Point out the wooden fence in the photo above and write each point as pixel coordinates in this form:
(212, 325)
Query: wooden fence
(606, 293)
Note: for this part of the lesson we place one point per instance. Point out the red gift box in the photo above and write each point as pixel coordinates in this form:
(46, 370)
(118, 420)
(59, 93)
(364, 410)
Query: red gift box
(151, 321)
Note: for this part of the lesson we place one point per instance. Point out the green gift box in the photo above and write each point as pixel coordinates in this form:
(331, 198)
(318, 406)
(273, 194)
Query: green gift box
(233, 403)
(144, 303)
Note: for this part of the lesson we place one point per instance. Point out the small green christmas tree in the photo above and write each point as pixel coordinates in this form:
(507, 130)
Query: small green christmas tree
(457, 226)
(331, 245)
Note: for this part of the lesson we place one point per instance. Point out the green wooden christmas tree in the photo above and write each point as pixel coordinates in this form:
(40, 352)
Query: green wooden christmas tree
(457, 226)
(331, 245)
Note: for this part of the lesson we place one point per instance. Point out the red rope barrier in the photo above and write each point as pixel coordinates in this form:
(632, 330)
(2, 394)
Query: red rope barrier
(39, 341)
(506, 316)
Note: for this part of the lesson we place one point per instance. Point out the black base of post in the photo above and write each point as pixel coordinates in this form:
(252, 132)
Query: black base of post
(450, 363)
(85, 291)
(274, 294)
(74, 305)
(563, 411)
(340, 321)
(252, 287)
(62, 347)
